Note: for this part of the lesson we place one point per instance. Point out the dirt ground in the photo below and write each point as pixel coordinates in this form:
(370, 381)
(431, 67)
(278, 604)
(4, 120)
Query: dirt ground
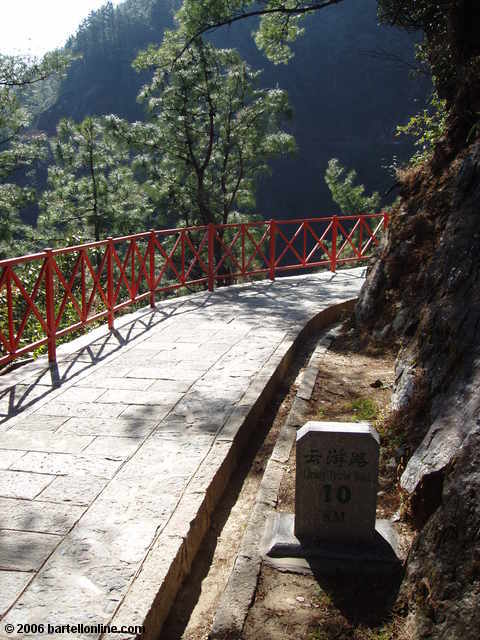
(353, 383)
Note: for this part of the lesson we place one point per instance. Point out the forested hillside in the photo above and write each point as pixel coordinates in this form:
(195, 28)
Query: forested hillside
(350, 86)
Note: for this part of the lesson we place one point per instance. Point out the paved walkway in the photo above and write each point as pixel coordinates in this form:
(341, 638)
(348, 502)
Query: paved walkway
(105, 461)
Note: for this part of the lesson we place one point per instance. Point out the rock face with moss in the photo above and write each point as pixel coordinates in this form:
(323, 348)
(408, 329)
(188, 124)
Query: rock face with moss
(425, 293)
(443, 573)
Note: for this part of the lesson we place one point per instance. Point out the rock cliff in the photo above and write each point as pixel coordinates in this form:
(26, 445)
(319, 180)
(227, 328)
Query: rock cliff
(424, 292)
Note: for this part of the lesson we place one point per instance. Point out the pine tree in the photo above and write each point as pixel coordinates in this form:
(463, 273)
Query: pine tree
(211, 131)
(19, 149)
(92, 192)
(349, 197)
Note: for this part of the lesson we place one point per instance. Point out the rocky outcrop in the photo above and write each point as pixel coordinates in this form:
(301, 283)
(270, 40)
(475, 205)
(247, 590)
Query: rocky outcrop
(425, 294)
(425, 290)
(442, 582)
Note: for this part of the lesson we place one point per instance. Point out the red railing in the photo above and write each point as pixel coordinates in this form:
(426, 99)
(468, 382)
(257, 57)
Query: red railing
(58, 291)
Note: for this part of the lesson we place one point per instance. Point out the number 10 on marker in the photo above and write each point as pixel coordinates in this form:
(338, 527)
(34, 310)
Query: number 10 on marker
(343, 494)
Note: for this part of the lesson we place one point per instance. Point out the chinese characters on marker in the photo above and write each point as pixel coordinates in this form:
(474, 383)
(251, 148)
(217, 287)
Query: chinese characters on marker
(337, 458)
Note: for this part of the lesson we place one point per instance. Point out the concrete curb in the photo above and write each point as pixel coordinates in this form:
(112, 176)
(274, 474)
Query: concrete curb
(154, 589)
(240, 590)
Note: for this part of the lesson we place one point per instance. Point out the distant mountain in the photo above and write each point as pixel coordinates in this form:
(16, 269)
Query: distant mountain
(347, 101)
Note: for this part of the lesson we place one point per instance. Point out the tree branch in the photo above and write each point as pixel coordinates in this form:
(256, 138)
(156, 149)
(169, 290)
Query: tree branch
(296, 11)
(389, 56)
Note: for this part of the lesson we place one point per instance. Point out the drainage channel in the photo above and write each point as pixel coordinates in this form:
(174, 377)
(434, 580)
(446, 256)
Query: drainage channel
(192, 613)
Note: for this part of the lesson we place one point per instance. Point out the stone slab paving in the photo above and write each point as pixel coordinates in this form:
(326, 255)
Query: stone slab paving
(106, 457)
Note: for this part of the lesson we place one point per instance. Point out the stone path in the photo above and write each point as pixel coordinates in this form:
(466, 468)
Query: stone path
(106, 461)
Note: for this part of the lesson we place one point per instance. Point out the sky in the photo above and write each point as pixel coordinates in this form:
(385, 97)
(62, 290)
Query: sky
(34, 27)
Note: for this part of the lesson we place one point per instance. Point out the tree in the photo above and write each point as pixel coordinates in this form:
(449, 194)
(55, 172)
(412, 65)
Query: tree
(280, 22)
(427, 128)
(18, 147)
(350, 198)
(452, 50)
(211, 130)
(92, 189)
(451, 45)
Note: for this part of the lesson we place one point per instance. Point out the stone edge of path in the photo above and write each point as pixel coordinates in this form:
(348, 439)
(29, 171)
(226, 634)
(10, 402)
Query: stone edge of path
(239, 593)
(170, 558)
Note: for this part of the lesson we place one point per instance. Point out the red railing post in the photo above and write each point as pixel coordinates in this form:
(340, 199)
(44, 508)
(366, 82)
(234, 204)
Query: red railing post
(272, 249)
(333, 258)
(152, 268)
(111, 313)
(304, 243)
(83, 287)
(211, 256)
(133, 246)
(182, 241)
(11, 325)
(100, 282)
(360, 241)
(242, 231)
(50, 306)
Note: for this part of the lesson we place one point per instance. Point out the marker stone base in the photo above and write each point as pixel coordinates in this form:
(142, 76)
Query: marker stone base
(283, 550)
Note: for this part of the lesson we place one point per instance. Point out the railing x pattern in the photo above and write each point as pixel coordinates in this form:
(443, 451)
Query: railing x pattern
(47, 295)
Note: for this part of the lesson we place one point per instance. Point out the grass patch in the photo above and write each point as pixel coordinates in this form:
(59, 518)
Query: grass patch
(319, 415)
(358, 410)
(346, 631)
(364, 409)
(385, 632)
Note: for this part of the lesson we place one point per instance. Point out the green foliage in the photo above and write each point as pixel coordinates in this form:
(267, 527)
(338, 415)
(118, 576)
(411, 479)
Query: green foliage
(350, 198)
(102, 82)
(280, 21)
(211, 131)
(364, 409)
(426, 128)
(435, 52)
(92, 192)
(450, 46)
(412, 14)
(19, 150)
(12, 231)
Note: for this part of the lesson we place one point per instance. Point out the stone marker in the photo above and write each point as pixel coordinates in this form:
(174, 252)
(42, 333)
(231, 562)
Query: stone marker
(336, 482)
(334, 526)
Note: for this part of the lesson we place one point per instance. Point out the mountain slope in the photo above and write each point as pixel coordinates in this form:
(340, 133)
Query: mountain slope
(346, 102)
